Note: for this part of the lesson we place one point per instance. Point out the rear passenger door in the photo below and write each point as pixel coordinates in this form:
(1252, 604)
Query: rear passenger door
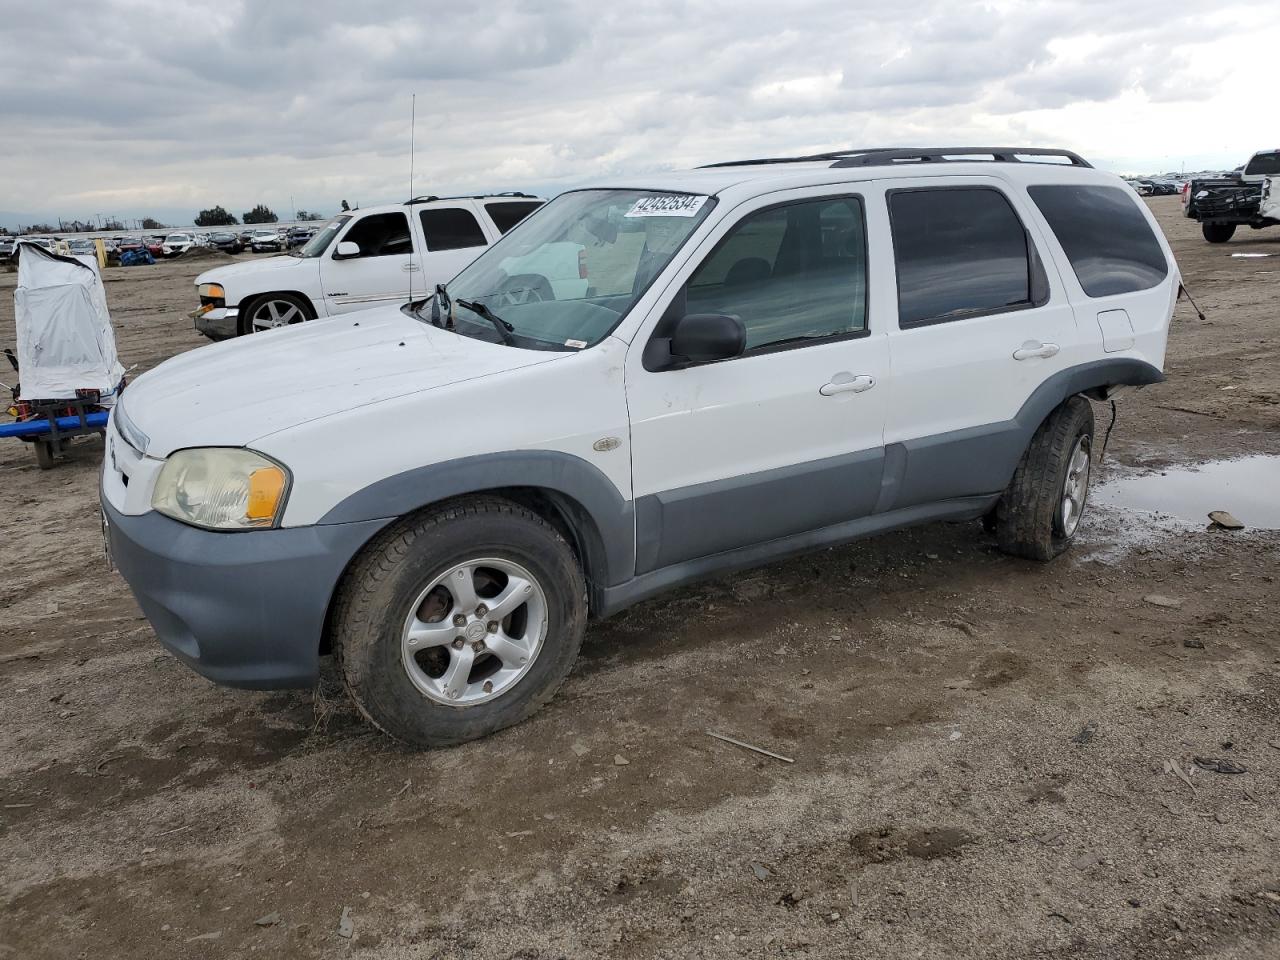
(982, 321)
(453, 237)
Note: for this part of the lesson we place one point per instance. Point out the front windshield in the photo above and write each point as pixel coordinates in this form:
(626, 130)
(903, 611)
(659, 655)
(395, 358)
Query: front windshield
(320, 242)
(564, 277)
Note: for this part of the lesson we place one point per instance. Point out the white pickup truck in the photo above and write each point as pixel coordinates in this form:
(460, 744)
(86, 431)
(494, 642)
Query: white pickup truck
(370, 258)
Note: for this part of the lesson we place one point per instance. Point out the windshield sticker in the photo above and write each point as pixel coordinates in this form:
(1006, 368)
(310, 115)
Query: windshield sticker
(667, 205)
(576, 344)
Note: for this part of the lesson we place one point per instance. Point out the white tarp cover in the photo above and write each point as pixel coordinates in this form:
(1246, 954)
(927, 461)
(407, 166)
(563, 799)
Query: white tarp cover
(65, 340)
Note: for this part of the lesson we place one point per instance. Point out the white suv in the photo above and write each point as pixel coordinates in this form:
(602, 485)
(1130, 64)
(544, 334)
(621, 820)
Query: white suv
(359, 260)
(766, 358)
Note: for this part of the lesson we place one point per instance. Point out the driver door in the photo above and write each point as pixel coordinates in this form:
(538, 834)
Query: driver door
(381, 273)
(788, 437)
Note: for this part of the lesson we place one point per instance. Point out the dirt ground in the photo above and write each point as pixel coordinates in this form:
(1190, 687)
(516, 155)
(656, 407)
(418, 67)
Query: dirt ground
(981, 744)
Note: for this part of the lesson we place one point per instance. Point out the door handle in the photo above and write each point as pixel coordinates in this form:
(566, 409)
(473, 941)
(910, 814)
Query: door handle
(847, 383)
(1034, 348)
(410, 268)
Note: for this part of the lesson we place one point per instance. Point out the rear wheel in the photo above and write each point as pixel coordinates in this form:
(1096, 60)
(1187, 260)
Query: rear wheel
(1040, 512)
(1218, 232)
(272, 310)
(460, 621)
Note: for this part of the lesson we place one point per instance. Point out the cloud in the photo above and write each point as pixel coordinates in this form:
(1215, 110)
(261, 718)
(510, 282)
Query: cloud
(144, 104)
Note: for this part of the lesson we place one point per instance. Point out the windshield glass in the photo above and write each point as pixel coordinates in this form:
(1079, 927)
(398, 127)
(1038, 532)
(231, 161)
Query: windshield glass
(565, 276)
(320, 242)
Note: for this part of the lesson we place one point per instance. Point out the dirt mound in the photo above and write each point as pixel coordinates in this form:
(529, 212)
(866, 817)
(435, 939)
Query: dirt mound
(208, 253)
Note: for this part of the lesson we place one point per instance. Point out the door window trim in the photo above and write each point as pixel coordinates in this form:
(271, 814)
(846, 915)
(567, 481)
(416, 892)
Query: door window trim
(662, 329)
(1037, 277)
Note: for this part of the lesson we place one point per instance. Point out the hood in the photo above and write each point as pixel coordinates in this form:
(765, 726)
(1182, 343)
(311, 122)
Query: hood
(233, 393)
(232, 271)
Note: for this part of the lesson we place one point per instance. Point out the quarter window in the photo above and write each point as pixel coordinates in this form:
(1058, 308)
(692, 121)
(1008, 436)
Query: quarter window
(961, 252)
(381, 235)
(793, 273)
(451, 228)
(508, 213)
(1104, 235)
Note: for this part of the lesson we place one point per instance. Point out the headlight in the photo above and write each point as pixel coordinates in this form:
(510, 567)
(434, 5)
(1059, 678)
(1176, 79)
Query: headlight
(222, 488)
(211, 291)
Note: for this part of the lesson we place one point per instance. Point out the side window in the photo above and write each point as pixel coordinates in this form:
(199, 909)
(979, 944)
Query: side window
(961, 252)
(381, 235)
(1263, 164)
(1105, 236)
(793, 273)
(451, 228)
(508, 213)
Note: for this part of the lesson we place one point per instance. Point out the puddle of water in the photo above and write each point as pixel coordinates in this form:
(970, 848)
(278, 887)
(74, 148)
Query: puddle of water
(1248, 488)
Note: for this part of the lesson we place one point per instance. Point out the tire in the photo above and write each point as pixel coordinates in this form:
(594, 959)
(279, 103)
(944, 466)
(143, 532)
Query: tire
(1031, 519)
(388, 596)
(282, 309)
(1218, 232)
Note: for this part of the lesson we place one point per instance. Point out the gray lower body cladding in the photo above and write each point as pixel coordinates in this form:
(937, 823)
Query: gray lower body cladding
(243, 609)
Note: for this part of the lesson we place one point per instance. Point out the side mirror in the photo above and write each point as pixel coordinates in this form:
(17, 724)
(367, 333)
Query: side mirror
(706, 337)
(346, 250)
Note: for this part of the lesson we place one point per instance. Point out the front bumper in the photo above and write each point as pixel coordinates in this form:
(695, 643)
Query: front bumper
(218, 323)
(242, 609)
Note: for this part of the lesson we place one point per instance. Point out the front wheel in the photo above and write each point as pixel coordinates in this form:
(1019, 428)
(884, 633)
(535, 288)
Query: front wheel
(1040, 512)
(273, 310)
(459, 621)
(1218, 232)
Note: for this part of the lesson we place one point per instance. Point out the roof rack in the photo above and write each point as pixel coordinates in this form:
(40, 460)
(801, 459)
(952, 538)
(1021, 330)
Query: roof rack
(887, 156)
(472, 196)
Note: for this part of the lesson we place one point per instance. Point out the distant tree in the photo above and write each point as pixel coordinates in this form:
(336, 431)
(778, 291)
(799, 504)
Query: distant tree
(310, 215)
(150, 224)
(345, 206)
(216, 217)
(40, 228)
(112, 225)
(260, 214)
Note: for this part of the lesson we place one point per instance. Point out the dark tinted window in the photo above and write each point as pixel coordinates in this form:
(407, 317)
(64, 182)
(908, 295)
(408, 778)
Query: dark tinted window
(507, 214)
(960, 251)
(792, 273)
(451, 228)
(1267, 164)
(1105, 236)
(381, 235)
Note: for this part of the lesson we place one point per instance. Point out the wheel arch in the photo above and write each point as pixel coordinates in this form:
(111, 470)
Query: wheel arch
(981, 460)
(573, 495)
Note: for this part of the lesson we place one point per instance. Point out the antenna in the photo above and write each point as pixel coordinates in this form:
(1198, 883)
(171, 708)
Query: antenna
(413, 110)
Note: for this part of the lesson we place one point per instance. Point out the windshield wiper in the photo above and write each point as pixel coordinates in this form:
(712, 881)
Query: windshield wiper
(505, 330)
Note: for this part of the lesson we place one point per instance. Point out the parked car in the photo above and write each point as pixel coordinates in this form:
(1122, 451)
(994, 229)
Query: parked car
(226, 242)
(263, 241)
(368, 258)
(768, 358)
(7, 245)
(154, 245)
(297, 236)
(124, 244)
(1221, 204)
(176, 244)
(81, 248)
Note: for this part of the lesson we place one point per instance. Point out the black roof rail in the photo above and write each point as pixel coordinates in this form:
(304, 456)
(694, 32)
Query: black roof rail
(471, 196)
(885, 156)
(875, 158)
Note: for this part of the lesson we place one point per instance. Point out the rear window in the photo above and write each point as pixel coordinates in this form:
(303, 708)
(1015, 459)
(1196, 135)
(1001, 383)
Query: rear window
(960, 252)
(1105, 236)
(451, 228)
(1264, 164)
(507, 214)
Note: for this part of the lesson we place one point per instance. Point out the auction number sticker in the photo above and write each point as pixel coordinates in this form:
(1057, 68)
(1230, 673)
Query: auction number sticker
(667, 205)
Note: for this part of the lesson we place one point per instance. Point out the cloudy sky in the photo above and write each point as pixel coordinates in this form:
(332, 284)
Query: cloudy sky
(161, 107)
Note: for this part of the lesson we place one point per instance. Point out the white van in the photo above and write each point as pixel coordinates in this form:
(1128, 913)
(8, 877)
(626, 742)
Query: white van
(358, 260)
(766, 357)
